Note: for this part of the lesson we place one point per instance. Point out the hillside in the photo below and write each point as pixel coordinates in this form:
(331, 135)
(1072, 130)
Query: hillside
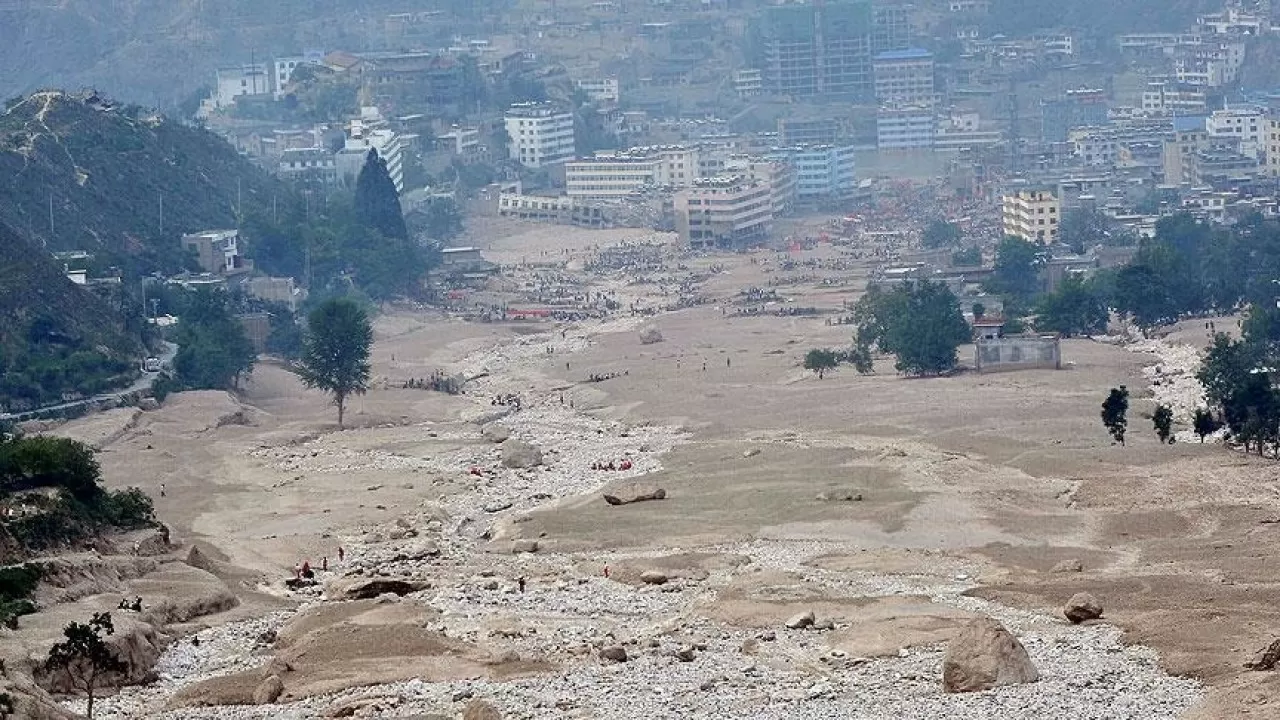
(159, 51)
(100, 170)
(55, 336)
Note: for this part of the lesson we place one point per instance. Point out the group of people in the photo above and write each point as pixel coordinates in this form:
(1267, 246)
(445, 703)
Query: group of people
(437, 382)
(625, 464)
(506, 399)
(135, 606)
(601, 377)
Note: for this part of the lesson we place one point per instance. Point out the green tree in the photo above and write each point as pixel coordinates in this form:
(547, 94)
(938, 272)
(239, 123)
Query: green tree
(42, 461)
(1017, 269)
(1204, 424)
(1073, 309)
(214, 352)
(85, 656)
(1144, 294)
(377, 204)
(1226, 367)
(1162, 421)
(940, 234)
(1114, 411)
(335, 353)
(821, 360)
(442, 220)
(861, 359)
(924, 329)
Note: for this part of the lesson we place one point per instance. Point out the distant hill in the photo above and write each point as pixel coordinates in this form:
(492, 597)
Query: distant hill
(79, 172)
(55, 336)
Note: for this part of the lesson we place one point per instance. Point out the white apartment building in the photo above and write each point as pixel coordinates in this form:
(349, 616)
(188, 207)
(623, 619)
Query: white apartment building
(243, 80)
(603, 89)
(283, 71)
(1246, 123)
(748, 83)
(905, 128)
(1032, 215)
(726, 210)
(371, 132)
(1165, 98)
(614, 174)
(541, 134)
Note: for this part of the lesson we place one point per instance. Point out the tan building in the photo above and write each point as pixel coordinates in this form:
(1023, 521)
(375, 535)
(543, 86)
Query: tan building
(217, 251)
(1032, 215)
(727, 210)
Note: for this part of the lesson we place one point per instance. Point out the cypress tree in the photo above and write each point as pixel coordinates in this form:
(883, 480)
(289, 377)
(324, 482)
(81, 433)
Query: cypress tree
(377, 202)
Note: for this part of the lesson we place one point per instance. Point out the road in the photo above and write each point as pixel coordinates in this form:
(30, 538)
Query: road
(142, 383)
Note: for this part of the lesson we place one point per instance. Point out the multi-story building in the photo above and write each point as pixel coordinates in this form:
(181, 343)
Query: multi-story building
(724, 211)
(1076, 108)
(1032, 215)
(217, 251)
(250, 79)
(1171, 98)
(370, 132)
(905, 128)
(809, 130)
(540, 134)
(1246, 122)
(963, 131)
(308, 167)
(890, 27)
(1180, 155)
(904, 77)
(821, 172)
(779, 175)
(283, 69)
(600, 89)
(1273, 145)
(748, 83)
(819, 49)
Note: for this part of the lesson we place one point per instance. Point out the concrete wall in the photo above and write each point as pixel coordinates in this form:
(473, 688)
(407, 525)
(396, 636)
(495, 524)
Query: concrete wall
(1017, 353)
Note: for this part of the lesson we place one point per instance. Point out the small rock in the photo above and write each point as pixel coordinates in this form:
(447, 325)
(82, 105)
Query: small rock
(800, 621)
(686, 654)
(1082, 607)
(374, 488)
(613, 653)
(768, 636)
(824, 624)
(751, 453)
(498, 506)
(750, 646)
(653, 577)
(460, 695)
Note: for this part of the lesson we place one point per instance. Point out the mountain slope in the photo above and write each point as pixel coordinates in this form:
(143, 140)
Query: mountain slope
(78, 172)
(55, 336)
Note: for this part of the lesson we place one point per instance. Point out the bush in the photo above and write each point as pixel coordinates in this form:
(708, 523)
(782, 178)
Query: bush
(127, 509)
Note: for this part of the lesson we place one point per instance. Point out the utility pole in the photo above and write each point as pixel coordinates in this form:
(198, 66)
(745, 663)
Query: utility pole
(46, 243)
(162, 212)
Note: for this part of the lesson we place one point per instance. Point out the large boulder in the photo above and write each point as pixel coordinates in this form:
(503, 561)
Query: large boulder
(613, 653)
(1082, 607)
(268, 691)
(372, 588)
(985, 655)
(481, 710)
(801, 621)
(634, 493)
(495, 433)
(518, 454)
(650, 336)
